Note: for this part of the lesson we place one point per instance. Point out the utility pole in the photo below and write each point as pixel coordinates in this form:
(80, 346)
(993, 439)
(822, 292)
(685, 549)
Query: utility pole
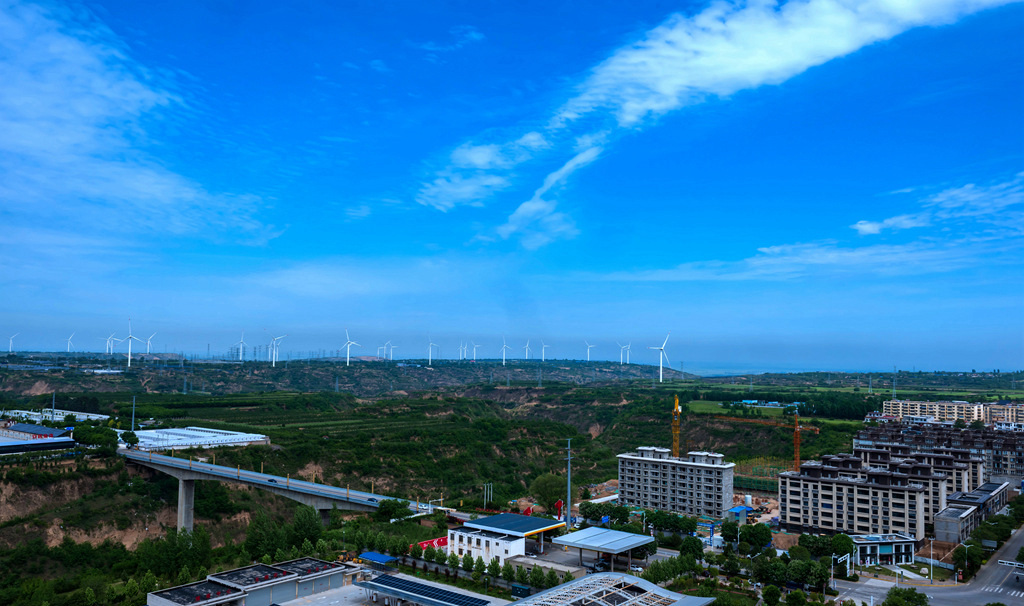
(568, 486)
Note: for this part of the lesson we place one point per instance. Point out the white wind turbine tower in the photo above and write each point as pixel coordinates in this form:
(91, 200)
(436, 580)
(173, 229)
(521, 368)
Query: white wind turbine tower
(527, 348)
(393, 346)
(110, 343)
(69, 342)
(662, 358)
(543, 348)
(10, 344)
(275, 347)
(129, 338)
(474, 351)
(622, 349)
(241, 346)
(348, 347)
(628, 346)
(430, 351)
(588, 351)
(504, 348)
(150, 340)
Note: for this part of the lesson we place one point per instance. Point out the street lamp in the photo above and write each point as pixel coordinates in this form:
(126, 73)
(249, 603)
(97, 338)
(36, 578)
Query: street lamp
(845, 558)
(966, 561)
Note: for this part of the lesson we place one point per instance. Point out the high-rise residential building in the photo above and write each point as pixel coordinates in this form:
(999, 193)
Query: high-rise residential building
(699, 483)
(968, 412)
(992, 456)
(841, 494)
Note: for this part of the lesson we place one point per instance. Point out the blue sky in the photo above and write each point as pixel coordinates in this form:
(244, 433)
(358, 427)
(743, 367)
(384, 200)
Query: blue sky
(805, 185)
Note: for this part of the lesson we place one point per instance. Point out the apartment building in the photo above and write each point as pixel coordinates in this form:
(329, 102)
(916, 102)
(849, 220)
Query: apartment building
(697, 484)
(841, 494)
(936, 483)
(998, 412)
(993, 456)
(942, 411)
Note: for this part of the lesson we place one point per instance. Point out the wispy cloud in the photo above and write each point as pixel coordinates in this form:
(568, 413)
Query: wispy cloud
(461, 36)
(932, 253)
(379, 66)
(75, 111)
(726, 48)
(989, 204)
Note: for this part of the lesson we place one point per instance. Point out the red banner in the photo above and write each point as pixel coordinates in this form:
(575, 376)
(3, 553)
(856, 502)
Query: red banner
(435, 543)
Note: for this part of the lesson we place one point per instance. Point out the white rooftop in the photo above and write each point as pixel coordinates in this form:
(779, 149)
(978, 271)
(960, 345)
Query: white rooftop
(603, 540)
(194, 437)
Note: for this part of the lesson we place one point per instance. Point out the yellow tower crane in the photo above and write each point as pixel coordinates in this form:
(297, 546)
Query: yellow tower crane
(675, 429)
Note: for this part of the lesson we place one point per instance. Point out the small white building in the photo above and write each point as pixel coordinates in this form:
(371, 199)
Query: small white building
(502, 536)
(884, 548)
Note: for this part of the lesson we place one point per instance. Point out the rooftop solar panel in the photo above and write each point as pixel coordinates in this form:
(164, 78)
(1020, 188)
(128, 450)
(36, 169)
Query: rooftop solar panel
(429, 591)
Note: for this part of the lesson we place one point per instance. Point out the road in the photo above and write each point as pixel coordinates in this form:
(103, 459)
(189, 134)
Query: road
(261, 480)
(993, 583)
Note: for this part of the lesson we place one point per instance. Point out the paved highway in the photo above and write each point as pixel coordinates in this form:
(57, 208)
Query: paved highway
(263, 480)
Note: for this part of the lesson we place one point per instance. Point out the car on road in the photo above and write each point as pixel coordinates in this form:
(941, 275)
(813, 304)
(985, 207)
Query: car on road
(372, 500)
(272, 481)
(635, 568)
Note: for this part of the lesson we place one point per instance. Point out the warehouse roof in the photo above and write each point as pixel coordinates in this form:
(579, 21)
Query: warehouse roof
(611, 589)
(418, 592)
(37, 430)
(514, 524)
(600, 539)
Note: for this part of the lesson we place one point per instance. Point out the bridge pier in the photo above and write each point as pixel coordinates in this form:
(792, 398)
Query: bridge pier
(186, 502)
(325, 517)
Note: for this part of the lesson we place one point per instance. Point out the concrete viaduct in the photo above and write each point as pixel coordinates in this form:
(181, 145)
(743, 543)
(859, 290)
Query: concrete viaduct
(320, 496)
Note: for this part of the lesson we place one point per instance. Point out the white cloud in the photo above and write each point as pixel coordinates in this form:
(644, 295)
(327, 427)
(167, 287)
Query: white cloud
(462, 34)
(893, 223)
(74, 112)
(450, 190)
(730, 47)
(725, 48)
(380, 66)
(979, 203)
(536, 220)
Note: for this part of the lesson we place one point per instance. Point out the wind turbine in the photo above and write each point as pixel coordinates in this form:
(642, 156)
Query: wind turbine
(129, 338)
(69, 342)
(10, 344)
(110, 343)
(622, 349)
(274, 347)
(588, 351)
(474, 351)
(628, 346)
(662, 358)
(241, 346)
(543, 348)
(527, 348)
(392, 351)
(385, 348)
(504, 347)
(348, 346)
(430, 351)
(150, 340)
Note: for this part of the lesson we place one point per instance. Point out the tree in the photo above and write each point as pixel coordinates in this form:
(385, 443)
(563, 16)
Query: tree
(479, 568)
(132, 595)
(130, 439)
(758, 535)
(731, 567)
(798, 571)
(968, 559)
(537, 577)
(548, 489)
(307, 548)
(771, 595)
(441, 557)
(184, 576)
(905, 596)
(453, 562)
(262, 536)
(842, 544)
(90, 596)
(507, 572)
(416, 551)
(521, 576)
(1020, 555)
(692, 546)
(494, 568)
(959, 424)
(468, 563)
(977, 425)
(730, 531)
(796, 598)
(798, 552)
(306, 525)
(392, 509)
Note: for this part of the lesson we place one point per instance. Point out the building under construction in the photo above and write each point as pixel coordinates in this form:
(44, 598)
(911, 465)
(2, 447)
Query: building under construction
(697, 484)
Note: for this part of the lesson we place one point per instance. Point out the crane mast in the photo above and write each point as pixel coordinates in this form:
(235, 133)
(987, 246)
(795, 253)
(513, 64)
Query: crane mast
(675, 429)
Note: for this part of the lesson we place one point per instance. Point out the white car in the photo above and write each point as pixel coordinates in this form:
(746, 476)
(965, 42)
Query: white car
(635, 568)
